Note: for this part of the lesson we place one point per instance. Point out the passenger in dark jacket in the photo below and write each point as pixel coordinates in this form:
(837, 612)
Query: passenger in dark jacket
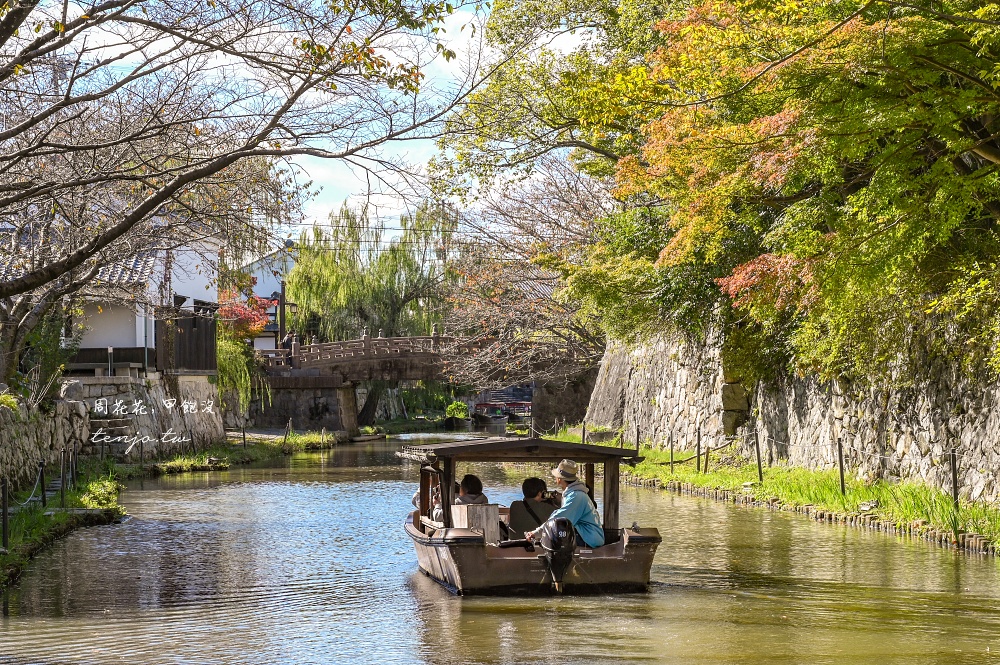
(470, 490)
(532, 512)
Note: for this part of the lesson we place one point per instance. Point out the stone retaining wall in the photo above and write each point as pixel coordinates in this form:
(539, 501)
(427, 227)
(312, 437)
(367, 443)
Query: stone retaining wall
(72, 421)
(308, 409)
(662, 391)
(670, 388)
(557, 403)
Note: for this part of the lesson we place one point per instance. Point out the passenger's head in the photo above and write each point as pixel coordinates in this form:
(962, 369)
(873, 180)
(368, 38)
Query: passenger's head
(532, 487)
(565, 473)
(471, 485)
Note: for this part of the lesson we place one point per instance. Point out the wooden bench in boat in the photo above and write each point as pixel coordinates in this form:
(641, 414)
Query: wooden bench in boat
(484, 517)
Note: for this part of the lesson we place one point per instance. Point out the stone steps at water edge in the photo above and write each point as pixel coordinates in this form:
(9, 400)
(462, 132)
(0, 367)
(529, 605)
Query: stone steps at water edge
(52, 489)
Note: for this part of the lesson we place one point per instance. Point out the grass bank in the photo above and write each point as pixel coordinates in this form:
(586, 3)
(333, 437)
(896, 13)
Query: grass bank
(905, 507)
(33, 527)
(909, 507)
(222, 456)
(232, 452)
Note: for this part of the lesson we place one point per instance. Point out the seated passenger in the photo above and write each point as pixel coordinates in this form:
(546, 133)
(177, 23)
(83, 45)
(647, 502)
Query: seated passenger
(577, 507)
(470, 490)
(531, 513)
(436, 512)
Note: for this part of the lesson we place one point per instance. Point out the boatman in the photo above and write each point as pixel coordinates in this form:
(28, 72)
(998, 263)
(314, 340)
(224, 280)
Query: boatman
(577, 507)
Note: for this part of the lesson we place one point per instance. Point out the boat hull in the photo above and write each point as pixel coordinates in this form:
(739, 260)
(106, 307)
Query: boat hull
(461, 560)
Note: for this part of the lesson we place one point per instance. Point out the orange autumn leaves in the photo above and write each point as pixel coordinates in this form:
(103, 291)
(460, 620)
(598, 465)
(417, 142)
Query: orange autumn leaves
(738, 139)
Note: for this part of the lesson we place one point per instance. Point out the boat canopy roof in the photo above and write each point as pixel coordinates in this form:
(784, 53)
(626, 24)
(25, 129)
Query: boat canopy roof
(508, 449)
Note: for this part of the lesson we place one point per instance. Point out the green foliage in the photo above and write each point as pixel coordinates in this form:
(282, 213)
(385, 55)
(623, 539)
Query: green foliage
(355, 275)
(457, 410)
(45, 355)
(841, 180)
(795, 174)
(8, 401)
(422, 397)
(239, 370)
(102, 493)
(591, 99)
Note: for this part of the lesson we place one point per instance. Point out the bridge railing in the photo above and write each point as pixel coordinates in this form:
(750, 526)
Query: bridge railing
(366, 347)
(275, 357)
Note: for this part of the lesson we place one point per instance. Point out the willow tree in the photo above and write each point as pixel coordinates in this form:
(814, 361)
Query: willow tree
(130, 123)
(356, 274)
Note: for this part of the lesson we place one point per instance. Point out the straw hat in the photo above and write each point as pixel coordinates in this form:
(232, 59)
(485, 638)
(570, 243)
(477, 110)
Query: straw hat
(566, 470)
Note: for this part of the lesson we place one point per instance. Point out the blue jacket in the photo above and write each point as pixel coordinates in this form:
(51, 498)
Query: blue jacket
(581, 511)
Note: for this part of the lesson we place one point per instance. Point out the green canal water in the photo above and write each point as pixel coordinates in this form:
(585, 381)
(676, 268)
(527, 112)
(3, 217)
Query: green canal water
(308, 563)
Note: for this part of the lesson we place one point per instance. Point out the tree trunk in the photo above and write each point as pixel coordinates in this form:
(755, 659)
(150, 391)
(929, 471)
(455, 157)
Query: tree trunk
(8, 361)
(366, 417)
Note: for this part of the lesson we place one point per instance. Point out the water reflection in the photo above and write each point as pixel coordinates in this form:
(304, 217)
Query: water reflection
(308, 563)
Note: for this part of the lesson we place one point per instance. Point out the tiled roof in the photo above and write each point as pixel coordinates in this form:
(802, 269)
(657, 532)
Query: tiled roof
(134, 271)
(129, 272)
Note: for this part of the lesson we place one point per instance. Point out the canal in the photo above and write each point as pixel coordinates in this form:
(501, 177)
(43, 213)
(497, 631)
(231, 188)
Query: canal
(308, 563)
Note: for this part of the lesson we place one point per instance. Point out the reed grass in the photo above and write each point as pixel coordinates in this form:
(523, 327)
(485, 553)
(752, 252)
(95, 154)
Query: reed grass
(901, 503)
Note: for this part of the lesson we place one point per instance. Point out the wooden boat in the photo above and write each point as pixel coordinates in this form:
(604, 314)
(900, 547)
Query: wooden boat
(489, 414)
(453, 424)
(465, 556)
(518, 413)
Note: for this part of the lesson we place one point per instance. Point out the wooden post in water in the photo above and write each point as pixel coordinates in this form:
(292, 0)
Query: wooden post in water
(611, 482)
(954, 477)
(4, 508)
(142, 454)
(244, 428)
(62, 478)
(583, 432)
(322, 438)
(708, 449)
(671, 453)
(840, 465)
(756, 446)
(41, 480)
(447, 489)
(697, 459)
(424, 503)
(288, 430)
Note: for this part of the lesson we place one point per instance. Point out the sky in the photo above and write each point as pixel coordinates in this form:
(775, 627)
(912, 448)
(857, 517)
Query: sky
(339, 181)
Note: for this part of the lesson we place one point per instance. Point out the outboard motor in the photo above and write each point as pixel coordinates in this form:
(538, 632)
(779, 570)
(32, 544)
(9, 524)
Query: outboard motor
(558, 541)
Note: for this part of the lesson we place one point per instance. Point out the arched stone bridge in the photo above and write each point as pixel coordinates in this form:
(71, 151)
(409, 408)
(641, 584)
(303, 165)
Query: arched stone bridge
(365, 359)
(313, 384)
